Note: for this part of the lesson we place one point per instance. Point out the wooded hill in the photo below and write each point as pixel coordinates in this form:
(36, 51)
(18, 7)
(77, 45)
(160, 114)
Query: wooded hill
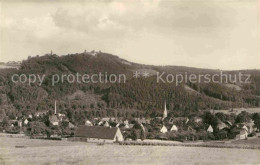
(137, 97)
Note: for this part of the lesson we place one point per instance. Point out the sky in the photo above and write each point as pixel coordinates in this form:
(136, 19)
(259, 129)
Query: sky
(216, 34)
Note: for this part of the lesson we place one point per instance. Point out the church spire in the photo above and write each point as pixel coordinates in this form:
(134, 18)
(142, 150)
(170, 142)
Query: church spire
(165, 111)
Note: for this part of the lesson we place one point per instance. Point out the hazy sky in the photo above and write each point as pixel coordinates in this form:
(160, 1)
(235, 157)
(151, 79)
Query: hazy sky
(222, 34)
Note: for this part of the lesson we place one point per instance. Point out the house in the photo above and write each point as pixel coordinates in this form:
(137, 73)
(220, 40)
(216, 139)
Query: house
(113, 119)
(106, 124)
(71, 125)
(129, 126)
(98, 134)
(143, 120)
(158, 118)
(210, 129)
(88, 123)
(40, 113)
(242, 135)
(105, 119)
(197, 119)
(13, 122)
(100, 123)
(251, 123)
(126, 122)
(178, 119)
(61, 115)
(221, 125)
(228, 123)
(174, 128)
(19, 123)
(54, 120)
(93, 53)
(163, 129)
(25, 121)
(245, 128)
(248, 128)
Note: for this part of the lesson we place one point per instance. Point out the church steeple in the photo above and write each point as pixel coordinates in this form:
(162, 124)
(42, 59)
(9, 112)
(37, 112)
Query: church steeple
(165, 111)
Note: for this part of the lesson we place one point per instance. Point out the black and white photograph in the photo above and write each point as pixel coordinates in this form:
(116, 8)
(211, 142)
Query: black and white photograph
(129, 82)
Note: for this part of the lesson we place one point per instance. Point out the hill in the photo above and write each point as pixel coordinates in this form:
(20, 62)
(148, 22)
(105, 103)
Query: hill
(136, 97)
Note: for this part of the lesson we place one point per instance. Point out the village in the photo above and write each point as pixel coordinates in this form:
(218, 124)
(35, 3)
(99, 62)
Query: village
(207, 126)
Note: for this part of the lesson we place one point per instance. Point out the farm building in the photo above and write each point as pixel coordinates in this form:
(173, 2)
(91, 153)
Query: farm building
(98, 134)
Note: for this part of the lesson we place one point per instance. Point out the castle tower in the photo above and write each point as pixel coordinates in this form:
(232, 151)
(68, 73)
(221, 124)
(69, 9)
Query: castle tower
(165, 111)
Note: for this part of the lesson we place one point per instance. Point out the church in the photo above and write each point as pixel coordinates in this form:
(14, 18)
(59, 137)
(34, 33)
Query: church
(164, 112)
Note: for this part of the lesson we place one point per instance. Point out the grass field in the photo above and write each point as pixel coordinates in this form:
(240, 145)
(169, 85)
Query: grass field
(59, 152)
(254, 142)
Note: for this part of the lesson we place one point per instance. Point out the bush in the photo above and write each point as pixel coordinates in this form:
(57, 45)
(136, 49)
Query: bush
(252, 134)
(37, 128)
(222, 134)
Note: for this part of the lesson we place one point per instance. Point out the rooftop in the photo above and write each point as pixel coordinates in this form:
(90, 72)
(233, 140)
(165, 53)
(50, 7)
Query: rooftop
(96, 132)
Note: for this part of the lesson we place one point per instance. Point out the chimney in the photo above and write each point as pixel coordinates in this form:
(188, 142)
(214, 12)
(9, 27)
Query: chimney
(55, 109)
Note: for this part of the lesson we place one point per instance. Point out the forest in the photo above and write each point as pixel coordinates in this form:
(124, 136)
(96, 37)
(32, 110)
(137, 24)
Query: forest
(137, 97)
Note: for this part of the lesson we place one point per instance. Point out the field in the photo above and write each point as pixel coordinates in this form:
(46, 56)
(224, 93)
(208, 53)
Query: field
(59, 152)
(252, 142)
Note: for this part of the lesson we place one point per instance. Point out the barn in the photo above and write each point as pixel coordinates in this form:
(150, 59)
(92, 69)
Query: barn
(98, 134)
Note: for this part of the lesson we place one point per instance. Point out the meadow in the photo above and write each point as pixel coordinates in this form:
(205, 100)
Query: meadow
(33, 151)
